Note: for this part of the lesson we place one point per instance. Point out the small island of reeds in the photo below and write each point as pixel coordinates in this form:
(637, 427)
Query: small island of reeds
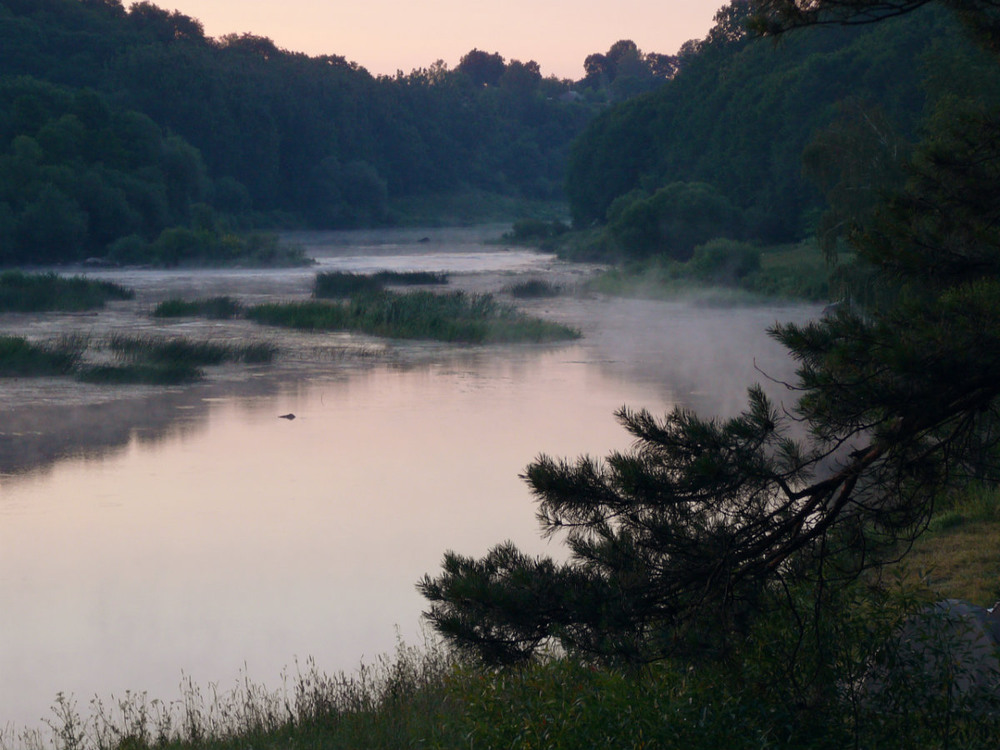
(454, 317)
(49, 292)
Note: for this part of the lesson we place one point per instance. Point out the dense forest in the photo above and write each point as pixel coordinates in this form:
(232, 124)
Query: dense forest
(719, 149)
(115, 122)
(119, 124)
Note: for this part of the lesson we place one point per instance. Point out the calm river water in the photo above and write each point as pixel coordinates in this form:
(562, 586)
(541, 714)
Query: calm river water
(150, 535)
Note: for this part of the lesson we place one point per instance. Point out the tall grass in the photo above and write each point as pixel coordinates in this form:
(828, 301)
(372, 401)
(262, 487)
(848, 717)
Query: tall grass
(22, 292)
(21, 358)
(533, 289)
(151, 360)
(424, 697)
(337, 284)
(454, 317)
(217, 308)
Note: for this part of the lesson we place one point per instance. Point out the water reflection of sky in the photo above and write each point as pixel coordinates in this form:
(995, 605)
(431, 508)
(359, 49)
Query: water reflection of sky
(253, 540)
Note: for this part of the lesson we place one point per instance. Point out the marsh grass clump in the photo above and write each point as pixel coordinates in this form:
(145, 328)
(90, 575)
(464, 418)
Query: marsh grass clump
(216, 308)
(141, 373)
(335, 284)
(159, 350)
(533, 289)
(151, 360)
(22, 358)
(454, 317)
(46, 292)
(339, 284)
(410, 278)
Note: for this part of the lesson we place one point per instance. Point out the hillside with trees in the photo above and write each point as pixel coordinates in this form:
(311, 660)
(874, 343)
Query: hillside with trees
(718, 150)
(260, 134)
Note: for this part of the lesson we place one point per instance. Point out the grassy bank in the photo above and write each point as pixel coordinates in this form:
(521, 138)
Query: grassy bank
(424, 697)
(49, 292)
(454, 317)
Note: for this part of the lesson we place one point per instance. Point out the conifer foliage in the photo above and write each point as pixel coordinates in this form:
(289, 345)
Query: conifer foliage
(682, 541)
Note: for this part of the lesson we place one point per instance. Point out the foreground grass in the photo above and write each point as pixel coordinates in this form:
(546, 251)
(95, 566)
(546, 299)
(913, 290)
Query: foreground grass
(427, 698)
(957, 556)
(47, 292)
(454, 317)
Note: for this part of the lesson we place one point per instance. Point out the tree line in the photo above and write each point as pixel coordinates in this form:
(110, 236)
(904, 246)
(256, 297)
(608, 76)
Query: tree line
(261, 134)
(718, 149)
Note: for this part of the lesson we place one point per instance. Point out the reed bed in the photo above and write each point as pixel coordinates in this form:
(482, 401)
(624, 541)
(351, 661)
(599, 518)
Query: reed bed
(22, 358)
(453, 317)
(48, 292)
(216, 308)
(533, 289)
(340, 284)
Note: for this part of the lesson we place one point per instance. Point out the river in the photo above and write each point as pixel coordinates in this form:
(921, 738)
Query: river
(152, 535)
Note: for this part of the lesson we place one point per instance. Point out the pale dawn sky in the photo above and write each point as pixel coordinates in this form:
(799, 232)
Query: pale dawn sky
(388, 35)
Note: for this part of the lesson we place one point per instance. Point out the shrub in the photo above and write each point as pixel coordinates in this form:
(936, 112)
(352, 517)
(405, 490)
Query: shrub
(724, 261)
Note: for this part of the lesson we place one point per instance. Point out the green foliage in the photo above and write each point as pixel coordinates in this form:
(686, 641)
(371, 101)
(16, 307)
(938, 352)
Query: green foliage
(684, 544)
(333, 284)
(535, 230)
(724, 261)
(339, 284)
(151, 360)
(262, 133)
(218, 308)
(456, 317)
(20, 358)
(672, 221)
(740, 111)
(160, 351)
(533, 289)
(22, 292)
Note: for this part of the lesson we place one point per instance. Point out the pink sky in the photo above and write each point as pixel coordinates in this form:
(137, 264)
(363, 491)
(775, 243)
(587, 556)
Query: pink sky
(389, 35)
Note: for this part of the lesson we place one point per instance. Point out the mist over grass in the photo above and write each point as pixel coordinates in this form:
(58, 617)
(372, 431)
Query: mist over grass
(49, 292)
(454, 317)
(339, 284)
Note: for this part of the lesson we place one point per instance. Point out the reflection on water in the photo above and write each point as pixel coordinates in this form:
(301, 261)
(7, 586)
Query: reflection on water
(192, 529)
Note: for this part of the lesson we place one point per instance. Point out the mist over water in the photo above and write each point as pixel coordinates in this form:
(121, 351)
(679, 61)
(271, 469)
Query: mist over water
(152, 533)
